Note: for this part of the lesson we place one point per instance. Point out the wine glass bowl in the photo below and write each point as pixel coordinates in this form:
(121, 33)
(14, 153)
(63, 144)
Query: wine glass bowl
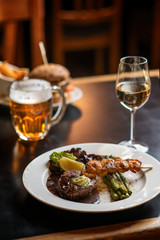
(133, 88)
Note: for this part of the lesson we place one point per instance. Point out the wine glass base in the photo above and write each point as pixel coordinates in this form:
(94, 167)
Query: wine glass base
(139, 146)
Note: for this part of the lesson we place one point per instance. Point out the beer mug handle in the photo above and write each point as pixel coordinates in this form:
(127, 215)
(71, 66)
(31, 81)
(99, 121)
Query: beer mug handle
(61, 106)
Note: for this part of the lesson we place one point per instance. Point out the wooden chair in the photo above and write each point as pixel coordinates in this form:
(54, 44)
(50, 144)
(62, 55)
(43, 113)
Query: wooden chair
(11, 14)
(155, 55)
(88, 13)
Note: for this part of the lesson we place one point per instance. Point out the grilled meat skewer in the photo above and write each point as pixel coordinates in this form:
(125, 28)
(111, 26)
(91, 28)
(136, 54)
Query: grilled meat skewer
(101, 168)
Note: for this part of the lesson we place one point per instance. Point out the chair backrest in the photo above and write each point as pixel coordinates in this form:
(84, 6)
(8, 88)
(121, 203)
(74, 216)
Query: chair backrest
(155, 56)
(87, 14)
(11, 13)
(88, 11)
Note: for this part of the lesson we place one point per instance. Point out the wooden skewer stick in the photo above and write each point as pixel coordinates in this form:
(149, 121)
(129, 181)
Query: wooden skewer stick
(147, 166)
(43, 52)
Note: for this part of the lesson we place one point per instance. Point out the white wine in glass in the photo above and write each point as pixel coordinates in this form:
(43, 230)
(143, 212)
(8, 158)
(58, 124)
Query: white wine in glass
(133, 87)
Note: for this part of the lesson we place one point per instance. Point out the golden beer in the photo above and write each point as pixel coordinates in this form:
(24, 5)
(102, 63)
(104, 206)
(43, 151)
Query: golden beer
(31, 121)
(31, 108)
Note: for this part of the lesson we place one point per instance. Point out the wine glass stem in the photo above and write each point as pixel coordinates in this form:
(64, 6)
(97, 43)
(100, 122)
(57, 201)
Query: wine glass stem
(132, 136)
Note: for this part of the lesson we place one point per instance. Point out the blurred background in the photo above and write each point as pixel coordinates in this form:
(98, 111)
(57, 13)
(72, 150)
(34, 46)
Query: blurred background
(87, 36)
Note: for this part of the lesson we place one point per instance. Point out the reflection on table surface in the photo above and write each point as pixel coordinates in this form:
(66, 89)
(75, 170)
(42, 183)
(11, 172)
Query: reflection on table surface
(96, 117)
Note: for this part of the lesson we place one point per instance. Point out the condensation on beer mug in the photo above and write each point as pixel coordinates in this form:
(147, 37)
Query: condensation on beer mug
(24, 92)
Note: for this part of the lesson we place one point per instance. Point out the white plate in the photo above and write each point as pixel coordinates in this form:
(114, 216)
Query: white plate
(76, 94)
(36, 174)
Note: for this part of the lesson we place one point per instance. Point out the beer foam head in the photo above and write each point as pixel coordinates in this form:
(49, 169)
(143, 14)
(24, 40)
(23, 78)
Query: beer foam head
(30, 91)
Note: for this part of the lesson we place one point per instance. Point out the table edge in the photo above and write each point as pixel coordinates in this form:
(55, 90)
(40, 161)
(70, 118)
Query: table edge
(139, 229)
(106, 78)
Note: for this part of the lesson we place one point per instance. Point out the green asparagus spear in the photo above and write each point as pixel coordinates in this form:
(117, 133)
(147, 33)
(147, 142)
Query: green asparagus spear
(114, 195)
(123, 188)
(118, 186)
(125, 182)
(115, 185)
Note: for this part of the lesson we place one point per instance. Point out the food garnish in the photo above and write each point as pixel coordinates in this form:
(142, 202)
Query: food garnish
(68, 164)
(56, 156)
(81, 181)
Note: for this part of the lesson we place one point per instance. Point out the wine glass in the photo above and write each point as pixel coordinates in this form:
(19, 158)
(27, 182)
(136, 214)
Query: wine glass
(133, 88)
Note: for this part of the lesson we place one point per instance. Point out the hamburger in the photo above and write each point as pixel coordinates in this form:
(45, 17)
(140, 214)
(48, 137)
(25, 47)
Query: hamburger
(56, 74)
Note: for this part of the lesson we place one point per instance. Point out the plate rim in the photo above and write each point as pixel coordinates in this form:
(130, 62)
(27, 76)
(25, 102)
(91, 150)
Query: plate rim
(84, 207)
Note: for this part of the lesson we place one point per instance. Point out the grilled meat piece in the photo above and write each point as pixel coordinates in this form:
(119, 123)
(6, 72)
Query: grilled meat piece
(69, 190)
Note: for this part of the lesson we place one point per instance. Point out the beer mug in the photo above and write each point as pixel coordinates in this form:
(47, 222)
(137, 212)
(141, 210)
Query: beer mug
(31, 108)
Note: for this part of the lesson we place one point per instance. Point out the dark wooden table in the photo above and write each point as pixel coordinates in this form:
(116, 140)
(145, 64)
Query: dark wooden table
(96, 117)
